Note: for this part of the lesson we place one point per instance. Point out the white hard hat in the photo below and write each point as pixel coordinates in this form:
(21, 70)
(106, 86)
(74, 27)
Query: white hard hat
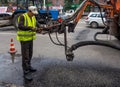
(33, 9)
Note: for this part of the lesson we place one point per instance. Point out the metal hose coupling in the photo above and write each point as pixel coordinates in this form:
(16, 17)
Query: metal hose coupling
(69, 55)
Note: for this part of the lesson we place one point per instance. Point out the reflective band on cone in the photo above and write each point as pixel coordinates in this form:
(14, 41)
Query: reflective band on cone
(12, 47)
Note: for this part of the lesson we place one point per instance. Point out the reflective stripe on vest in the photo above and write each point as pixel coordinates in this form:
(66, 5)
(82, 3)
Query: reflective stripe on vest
(27, 35)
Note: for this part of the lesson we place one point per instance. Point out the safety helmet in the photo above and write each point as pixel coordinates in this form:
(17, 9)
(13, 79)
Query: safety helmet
(33, 9)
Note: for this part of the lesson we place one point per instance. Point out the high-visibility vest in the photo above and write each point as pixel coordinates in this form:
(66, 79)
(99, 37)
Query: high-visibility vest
(27, 35)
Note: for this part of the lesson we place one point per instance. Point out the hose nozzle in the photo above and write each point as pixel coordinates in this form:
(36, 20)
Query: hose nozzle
(69, 56)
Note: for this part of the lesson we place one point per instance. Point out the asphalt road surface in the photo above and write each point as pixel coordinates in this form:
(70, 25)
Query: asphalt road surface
(93, 66)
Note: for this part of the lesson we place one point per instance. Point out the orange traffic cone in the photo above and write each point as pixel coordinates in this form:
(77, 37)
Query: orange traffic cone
(12, 50)
(12, 47)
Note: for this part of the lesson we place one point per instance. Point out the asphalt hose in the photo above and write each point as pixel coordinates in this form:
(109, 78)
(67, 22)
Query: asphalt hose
(101, 43)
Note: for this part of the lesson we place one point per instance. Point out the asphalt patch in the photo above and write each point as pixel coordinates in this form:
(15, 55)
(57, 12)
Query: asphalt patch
(82, 35)
(65, 74)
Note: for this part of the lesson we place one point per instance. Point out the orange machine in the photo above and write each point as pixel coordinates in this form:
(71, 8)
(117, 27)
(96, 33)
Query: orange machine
(112, 12)
(118, 6)
(112, 25)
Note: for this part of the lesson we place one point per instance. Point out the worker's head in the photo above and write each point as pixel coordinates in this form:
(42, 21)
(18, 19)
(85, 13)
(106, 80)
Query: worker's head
(33, 10)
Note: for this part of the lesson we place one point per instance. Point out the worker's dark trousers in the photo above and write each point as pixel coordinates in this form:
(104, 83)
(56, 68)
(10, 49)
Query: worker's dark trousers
(27, 51)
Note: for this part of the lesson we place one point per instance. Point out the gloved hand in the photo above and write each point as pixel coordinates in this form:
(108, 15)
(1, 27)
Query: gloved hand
(39, 30)
(34, 29)
(31, 28)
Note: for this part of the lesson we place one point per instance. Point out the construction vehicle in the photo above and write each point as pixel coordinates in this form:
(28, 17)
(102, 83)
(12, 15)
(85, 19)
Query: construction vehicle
(44, 17)
(112, 26)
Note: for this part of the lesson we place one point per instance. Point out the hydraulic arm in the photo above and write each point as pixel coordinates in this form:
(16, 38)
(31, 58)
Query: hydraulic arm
(112, 12)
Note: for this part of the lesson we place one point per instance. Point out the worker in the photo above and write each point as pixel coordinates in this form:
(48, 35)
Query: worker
(26, 33)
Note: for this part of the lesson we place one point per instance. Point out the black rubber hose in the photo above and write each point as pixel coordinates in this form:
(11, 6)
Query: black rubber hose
(84, 43)
(59, 43)
(58, 39)
(102, 17)
(53, 40)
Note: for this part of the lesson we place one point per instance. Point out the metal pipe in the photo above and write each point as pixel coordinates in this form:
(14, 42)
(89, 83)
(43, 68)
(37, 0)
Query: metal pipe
(44, 7)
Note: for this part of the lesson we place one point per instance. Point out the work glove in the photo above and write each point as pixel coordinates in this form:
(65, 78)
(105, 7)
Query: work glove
(39, 30)
(34, 29)
(31, 28)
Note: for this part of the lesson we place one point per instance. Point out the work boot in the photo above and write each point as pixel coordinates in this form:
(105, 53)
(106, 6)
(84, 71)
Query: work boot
(32, 69)
(28, 77)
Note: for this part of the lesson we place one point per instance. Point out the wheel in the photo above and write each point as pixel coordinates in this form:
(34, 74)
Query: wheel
(15, 21)
(118, 37)
(94, 24)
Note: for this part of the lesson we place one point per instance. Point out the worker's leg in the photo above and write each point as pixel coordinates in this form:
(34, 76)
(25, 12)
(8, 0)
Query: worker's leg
(25, 56)
(30, 52)
(25, 59)
(30, 55)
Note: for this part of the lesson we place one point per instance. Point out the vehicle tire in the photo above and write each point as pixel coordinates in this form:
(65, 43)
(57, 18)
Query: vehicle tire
(118, 37)
(15, 21)
(94, 24)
